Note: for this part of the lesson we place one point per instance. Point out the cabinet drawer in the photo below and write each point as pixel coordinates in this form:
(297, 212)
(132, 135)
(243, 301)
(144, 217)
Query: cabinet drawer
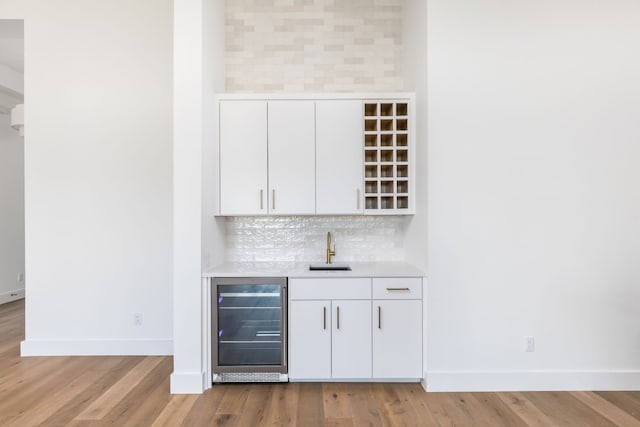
(397, 288)
(330, 288)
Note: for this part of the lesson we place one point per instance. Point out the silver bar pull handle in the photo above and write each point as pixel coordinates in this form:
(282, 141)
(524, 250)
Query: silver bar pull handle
(358, 198)
(399, 289)
(261, 199)
(324, 318)
(379, 317)
(338, 317)
(273, 199)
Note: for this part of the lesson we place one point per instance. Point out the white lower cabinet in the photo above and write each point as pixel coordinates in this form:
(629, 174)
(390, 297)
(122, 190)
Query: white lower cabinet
(329, 328)
(338, 331)
(351, 339)
(310, 339)
(397, 339)
(397, 327)
(330, 339)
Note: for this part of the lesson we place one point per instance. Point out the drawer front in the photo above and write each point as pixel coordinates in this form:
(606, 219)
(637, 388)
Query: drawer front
(397, 288)
(330, 288)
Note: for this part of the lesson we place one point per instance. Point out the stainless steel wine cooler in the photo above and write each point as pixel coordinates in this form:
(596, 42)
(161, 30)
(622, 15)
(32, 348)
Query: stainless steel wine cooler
(249, 323)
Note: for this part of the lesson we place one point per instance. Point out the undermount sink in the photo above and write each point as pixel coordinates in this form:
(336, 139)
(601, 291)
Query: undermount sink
(329, 267)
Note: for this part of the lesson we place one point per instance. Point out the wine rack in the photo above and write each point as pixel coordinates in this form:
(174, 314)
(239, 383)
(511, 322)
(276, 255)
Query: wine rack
(386, 157)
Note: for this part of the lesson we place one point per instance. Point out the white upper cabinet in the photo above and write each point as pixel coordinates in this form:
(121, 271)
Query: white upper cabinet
(243, 154)
(291, 141)
(339, 157)
(328, 155)
(267, 157)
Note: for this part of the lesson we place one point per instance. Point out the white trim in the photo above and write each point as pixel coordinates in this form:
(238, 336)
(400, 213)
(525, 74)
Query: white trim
(96, 347)
(206, 331)
(543, 380)
(11, 296)
(187, 382)
(317, 96)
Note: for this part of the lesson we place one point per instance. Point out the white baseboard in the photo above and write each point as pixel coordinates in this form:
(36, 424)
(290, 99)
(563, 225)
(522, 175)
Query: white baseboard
(450, 381)
(188, 382)
(423, 381)
(96, 348)
(11, 296)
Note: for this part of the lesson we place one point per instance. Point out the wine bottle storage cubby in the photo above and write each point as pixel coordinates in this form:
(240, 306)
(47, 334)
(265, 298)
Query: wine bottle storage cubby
(386, 155)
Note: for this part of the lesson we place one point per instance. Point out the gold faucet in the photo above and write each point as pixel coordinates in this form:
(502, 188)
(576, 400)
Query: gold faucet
(330, 252)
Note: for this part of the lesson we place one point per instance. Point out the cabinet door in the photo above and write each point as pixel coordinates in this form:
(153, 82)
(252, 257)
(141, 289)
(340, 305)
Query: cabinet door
(351, 340)
(291, 127)
(243, 154)
(339, 157)
(310, 340)
(397, 339)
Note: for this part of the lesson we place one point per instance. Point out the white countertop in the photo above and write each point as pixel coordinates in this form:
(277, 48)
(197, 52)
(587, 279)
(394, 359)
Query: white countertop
(301, 269)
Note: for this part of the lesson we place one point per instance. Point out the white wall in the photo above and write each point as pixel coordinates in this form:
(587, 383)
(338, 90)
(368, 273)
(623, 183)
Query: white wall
(198, 75)
(213, 229)
(414, 66)
(97, 176)
(534, 208)
(11, 212)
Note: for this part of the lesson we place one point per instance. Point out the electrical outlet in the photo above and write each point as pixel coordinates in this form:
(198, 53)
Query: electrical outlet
(137, 319)
(529, 344)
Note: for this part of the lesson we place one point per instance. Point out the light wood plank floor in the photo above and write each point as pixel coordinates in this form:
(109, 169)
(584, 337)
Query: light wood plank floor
(134, 391)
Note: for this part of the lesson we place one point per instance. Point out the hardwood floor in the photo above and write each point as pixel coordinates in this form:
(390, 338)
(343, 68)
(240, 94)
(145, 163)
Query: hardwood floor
(134, 391)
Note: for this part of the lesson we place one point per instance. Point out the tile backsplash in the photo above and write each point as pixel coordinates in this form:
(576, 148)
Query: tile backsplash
(304, 238)
(313, 45)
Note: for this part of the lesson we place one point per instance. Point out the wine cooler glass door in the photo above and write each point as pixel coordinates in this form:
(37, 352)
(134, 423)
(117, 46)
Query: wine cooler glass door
(250, 328)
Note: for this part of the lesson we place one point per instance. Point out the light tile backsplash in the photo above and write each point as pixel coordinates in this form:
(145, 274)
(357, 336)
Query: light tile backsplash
(313, 45)
(304, 238)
